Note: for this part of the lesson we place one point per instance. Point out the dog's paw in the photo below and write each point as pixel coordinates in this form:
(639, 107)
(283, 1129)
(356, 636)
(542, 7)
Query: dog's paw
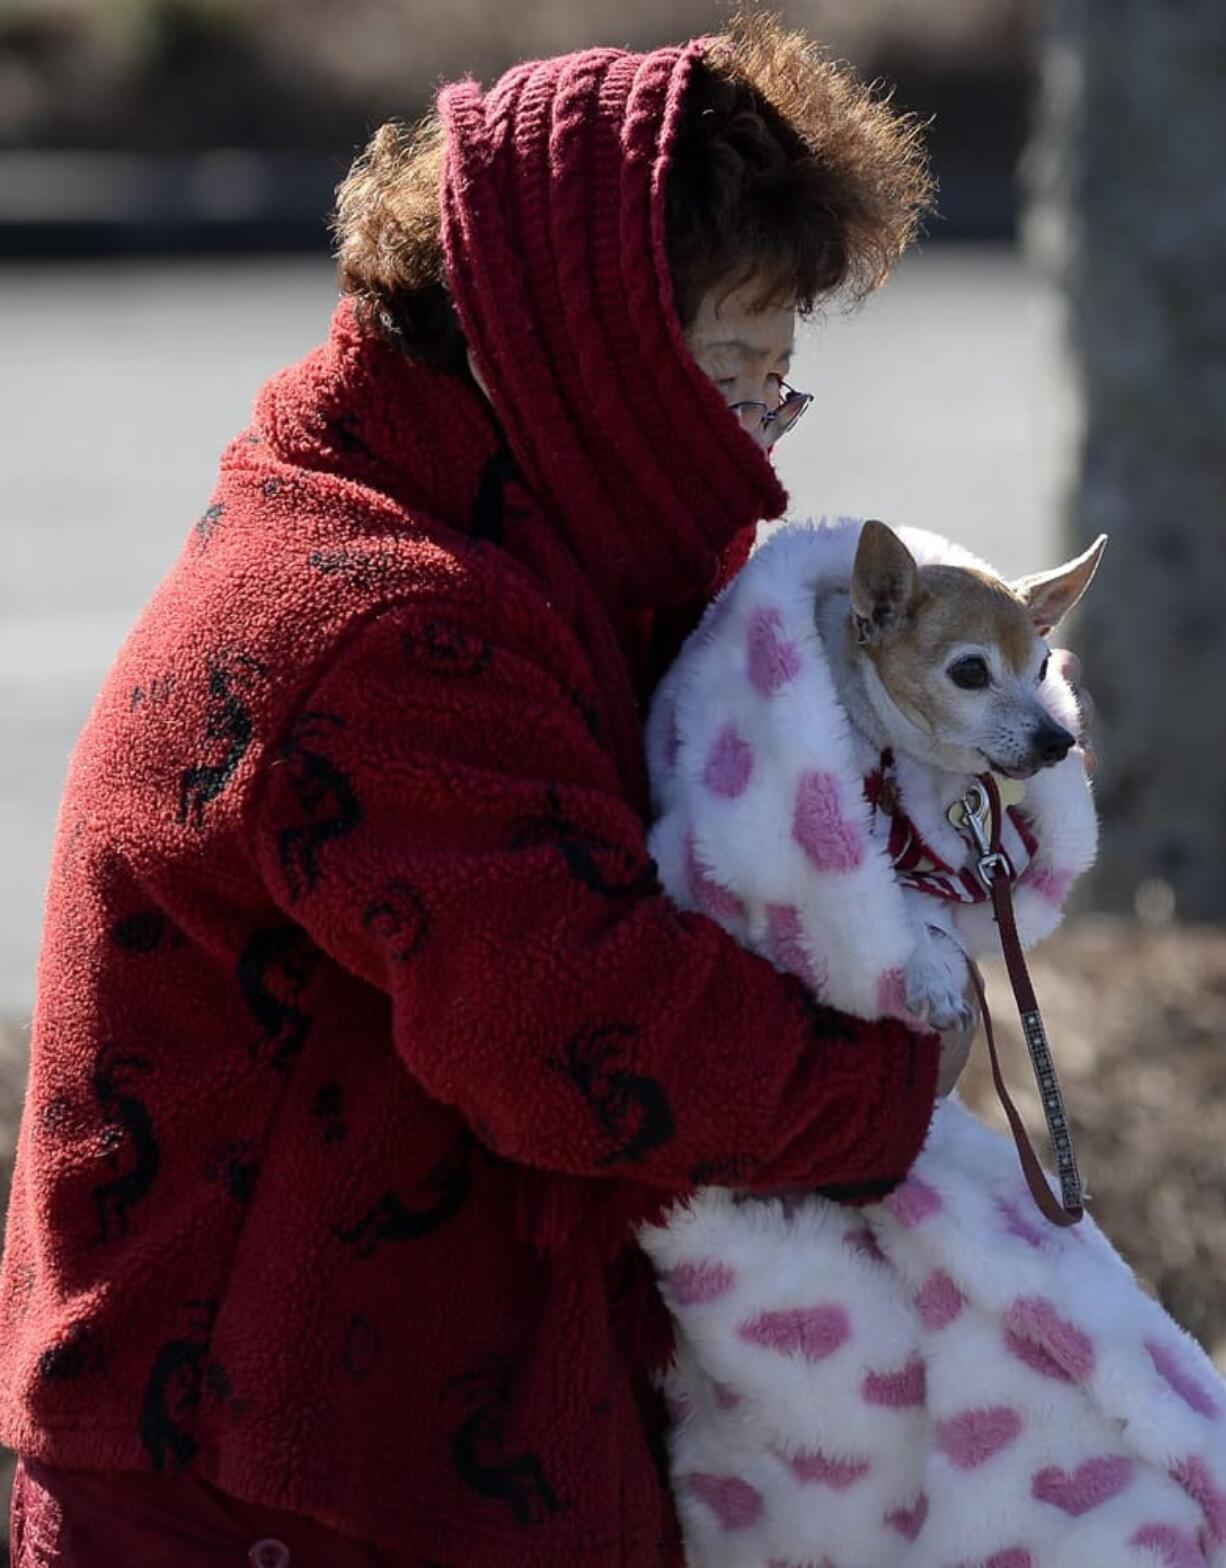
(936, 978)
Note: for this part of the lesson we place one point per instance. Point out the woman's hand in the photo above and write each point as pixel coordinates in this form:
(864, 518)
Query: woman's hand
(956, 1045)
(1068, 665)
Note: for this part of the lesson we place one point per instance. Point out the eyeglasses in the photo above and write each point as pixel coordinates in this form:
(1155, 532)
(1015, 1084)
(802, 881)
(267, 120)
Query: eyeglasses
(767, 424)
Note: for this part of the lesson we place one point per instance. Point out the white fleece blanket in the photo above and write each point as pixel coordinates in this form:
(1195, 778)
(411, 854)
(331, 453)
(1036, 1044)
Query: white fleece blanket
(943, 1380)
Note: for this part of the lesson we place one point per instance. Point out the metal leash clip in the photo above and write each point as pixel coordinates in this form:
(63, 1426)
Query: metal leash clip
(976, 816)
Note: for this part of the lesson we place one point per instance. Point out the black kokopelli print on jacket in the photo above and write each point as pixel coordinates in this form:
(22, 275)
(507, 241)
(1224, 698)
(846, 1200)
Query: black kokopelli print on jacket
(75, 1355)
(181, 1376)
(344, 431)
(227, 735)
(485, 1459)
(128, 1134)
(448, 650)
(630, 1107)
(607, 869)
(399, 918)
(208, 520)
(274, 968)
(329, 806)
(441, 1196)
(362, 568)
(141, 932)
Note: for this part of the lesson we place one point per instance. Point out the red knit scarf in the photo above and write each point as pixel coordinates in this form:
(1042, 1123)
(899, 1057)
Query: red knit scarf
(553, 221)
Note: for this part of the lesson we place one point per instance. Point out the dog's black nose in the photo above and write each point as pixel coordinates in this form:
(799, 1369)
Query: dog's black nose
(1051, 743)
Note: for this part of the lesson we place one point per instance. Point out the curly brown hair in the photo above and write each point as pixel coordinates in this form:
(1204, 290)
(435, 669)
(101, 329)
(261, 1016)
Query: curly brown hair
(786, 167)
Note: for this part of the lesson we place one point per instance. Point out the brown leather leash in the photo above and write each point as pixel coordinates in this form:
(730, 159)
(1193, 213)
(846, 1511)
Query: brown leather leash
(983, 818)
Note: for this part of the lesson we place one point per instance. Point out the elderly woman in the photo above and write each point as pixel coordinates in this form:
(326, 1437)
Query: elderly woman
(365, 1035)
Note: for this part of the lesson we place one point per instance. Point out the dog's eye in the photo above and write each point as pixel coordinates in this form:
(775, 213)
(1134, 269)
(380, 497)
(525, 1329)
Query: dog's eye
(971, 673)
(1043, 671)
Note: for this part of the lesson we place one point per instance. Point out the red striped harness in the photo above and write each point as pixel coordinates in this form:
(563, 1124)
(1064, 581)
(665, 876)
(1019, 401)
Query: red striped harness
(916, 864)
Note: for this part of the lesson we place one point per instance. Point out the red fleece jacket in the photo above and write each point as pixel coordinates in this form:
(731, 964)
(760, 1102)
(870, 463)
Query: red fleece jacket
(364, 1032)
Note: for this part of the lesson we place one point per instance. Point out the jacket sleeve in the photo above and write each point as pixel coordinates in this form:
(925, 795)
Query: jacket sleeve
(441, 819)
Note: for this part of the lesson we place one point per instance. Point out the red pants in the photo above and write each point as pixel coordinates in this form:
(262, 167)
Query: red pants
(78, 1519)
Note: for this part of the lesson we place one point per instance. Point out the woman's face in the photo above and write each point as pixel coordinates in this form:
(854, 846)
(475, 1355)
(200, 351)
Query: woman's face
(744, 346)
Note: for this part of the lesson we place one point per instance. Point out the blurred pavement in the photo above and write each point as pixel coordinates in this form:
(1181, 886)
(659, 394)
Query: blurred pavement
(934, 406)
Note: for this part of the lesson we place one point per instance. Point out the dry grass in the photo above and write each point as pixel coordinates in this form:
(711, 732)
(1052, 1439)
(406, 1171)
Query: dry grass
(1137, 1022)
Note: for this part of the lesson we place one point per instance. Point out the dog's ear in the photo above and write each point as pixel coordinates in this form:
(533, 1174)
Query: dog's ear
(885, 584)
(1049, 596)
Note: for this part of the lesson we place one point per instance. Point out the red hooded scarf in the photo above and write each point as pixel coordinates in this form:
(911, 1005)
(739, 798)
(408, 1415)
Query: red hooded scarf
(553, 221)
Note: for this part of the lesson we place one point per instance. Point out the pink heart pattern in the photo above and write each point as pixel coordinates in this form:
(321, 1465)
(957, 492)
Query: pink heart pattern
(820, 1470)
(972, 1437)
(938, 1300)
(785, 945)
(1093, 1483)
(1193, 1476)
(1048, 882)
(726, 1397)
(1011, 1557)
(811, 1332)
(729, 764)
(1034, 1318)
(1020, 1225)
(830, 840)
(909, 1521)
(899, 1390)
(694, 1284)
(774, 659)
(1175, 1547)
(709, 896)
(914, 1202)
(734, 1502)
(1193, 1393)
(863, 1241)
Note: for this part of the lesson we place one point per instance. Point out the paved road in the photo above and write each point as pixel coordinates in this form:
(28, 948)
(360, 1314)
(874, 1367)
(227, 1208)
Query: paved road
(121, 384)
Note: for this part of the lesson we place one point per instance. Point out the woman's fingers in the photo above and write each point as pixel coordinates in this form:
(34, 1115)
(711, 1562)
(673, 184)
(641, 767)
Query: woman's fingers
(956, 1046)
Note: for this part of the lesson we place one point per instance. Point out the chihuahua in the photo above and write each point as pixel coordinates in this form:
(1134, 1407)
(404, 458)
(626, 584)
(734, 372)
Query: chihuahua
(947, 664)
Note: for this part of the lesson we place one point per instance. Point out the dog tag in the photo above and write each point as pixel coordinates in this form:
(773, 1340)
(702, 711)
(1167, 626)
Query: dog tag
(1012, 791)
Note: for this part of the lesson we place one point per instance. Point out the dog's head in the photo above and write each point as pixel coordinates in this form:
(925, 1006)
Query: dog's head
(954, 660)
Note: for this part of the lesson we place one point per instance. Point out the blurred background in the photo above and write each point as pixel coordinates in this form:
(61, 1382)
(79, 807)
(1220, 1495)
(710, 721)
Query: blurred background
(1050, 363)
